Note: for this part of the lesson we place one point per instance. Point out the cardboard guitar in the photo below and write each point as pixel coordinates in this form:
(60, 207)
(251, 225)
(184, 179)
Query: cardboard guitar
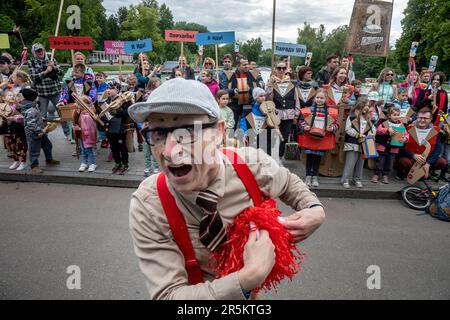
(418, 171)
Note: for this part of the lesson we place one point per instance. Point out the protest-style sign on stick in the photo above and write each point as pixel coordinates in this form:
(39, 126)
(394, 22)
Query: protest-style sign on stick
(180, 36)
(433, 63)
(369, 29)
(73, 23)
(139, 46)
(290, 49)
(115, 48)
(216, 38)
(4, 41)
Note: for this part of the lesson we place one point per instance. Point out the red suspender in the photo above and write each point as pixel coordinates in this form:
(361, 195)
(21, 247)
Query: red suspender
(178, 224)
(179, 230)
(246, 176)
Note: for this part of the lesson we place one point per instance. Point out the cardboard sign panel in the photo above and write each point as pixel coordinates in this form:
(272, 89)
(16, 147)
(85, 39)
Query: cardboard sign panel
(370, 28)
(138, 46)
(114, 47)
(69, 43)
(180, 35)
(290, 49)
(4, 41)
(215, 38)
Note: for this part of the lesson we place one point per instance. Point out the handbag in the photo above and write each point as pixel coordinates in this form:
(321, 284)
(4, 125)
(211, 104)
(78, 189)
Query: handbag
(292, 150)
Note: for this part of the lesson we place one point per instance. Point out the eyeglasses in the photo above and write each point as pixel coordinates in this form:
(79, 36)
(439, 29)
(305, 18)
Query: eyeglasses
(187, 134)
(281, 68)
(390, 74)
(208, 63)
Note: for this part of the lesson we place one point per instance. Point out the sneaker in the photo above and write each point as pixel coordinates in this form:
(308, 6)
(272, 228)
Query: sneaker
(315, 182)
(52, 162)
(374, 178)
(147, 172)
(116, 168)
(104, 144)
(346, 184)
(308, 181)
(385, 179)
(36, 170)
(15, 165)
(83, 167)
(358, 184)
(123, 169)
(72, 141)
(156, 171)
(22, 166)
(140, 147)
(74, 154)
(92, 167)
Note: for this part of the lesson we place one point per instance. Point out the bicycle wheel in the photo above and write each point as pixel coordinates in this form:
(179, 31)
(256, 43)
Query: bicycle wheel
(416, 198)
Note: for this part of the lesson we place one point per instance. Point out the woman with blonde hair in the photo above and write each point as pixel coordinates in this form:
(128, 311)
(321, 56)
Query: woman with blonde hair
(79, 58)
(385, 85)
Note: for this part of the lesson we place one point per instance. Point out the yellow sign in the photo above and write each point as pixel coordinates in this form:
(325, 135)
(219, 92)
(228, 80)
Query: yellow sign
(4, 41)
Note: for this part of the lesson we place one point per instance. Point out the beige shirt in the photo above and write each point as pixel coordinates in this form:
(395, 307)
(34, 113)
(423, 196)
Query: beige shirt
(160, 259)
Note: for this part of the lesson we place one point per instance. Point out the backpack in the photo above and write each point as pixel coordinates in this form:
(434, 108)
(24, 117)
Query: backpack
(440, 209)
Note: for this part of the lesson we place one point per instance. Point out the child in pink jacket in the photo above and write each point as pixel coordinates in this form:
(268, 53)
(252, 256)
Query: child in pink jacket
(207, 79)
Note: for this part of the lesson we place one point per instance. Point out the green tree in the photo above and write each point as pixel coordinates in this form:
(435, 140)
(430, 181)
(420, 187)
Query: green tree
(166, 23)
(142, 22)
(252, 49)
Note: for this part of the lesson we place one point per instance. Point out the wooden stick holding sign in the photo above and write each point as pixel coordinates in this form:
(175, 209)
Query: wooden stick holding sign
(217, 63)
(57, 26)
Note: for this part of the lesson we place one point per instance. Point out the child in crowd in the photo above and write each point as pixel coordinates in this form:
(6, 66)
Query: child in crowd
(207, 79)
(356, 93)
(403, 104)
(357, 126)
(16, 142)
(375, 107)
(151, 165)
(20, 80)
(34, 131)
(85, 129)
(226, 114)
(179, 73)
(323, 138)
(390, 137)
(100, 83)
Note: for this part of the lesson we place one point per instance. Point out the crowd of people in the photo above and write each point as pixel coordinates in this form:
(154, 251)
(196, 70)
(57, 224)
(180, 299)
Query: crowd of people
(338, 127)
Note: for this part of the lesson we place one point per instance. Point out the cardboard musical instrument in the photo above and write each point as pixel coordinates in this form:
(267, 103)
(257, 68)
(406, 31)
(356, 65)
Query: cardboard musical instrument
(5, 111)
(418, 171)
(87, 109)
(320, 125)
(369, 148)
(117, 103)
(269, 109)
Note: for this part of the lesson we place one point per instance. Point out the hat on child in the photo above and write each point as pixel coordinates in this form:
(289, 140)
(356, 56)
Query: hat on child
(257, 92)
(114, 85)
(177, 96)
(5, 59)
(29, 94)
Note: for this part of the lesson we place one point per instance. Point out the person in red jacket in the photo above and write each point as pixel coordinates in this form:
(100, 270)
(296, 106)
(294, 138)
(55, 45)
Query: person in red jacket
(421, 130)
(434, 98)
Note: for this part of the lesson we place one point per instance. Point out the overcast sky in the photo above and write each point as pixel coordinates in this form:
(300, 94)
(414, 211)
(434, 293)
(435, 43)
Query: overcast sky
(253, 18)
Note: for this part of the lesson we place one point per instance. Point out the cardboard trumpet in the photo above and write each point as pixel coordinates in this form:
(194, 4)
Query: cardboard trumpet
(116, 104)
(86, 108)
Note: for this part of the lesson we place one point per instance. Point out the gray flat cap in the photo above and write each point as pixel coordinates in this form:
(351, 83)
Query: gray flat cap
(177, 96)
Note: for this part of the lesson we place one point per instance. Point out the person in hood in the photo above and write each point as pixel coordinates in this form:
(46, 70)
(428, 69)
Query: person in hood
(34, 130)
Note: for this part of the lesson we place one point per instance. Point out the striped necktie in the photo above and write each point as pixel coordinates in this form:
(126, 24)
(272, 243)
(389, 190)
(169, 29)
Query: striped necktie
(212, 232)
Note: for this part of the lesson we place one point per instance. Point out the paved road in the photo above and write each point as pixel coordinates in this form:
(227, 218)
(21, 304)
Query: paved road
(45, 228)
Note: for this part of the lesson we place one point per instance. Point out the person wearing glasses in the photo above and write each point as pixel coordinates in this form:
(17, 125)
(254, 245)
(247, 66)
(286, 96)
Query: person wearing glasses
(200, 184)
(420, 131)
(284, 93)
(208, 64)
(385, 85)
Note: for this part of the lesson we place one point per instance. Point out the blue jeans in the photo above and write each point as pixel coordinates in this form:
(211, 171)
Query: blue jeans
(87, 154)
(34, 148)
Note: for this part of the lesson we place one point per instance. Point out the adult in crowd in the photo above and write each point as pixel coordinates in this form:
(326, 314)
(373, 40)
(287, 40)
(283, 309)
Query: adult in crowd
(338, 89)
(240, 91)
(385, 85)
(227, 72)
(307, 86)
(324, 75)
(282, 91)
(425, 76)
(253, 68)
(345, 62)
(199, 189)
(434, 98)
(420, 130)
(188, 72)
(45, 75)
(208, 64)
(414, 86)
(5, 73)
(79, 58)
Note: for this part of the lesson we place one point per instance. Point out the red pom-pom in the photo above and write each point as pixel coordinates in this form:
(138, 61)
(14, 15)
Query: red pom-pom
(228, 258)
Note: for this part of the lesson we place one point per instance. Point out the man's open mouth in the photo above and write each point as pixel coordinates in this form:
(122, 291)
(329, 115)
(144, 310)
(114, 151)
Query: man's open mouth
(180, 171)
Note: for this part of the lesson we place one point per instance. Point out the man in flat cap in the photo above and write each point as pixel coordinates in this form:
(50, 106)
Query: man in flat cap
(198, 194)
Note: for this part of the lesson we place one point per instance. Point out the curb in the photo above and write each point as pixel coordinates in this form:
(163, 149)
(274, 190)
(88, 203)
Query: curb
(326, 190)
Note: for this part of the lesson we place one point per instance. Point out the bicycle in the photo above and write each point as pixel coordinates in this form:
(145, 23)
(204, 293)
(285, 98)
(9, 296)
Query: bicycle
(420, 198)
